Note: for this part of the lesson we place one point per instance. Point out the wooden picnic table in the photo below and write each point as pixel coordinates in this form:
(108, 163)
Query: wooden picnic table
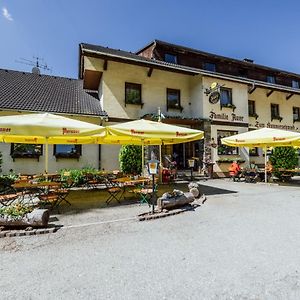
(49, 192)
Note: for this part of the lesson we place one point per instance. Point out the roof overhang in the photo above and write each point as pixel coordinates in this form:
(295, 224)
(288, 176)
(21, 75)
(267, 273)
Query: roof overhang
(180, 69)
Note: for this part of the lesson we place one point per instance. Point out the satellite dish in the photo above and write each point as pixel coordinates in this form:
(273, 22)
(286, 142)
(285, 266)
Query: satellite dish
(36, 70)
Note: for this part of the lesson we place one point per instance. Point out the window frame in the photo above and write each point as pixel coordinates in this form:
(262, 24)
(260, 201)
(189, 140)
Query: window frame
(173, 55)
(295, 84)
(229, 90)
(236, 149)
(178, 106)
(275, 116)
(296, 119)
(133, 85)
(67, 155)
(272, 81)
(253, 113)
(25, 155)
(205, 64)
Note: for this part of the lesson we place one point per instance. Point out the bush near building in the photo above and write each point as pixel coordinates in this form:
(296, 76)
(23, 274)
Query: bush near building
(130, 158)
(284, 158)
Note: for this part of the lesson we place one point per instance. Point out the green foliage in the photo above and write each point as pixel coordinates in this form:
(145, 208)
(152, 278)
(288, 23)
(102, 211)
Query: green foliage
(130, 158)
(16, 210)
(74, 177)
(1, 161)
(7, 180)
(284, 158)
(77, 177)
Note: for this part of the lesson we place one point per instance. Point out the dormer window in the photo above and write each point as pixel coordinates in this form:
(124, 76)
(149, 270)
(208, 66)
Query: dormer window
(171, 58)
(271, 79)
(209, 67)
(295, 84)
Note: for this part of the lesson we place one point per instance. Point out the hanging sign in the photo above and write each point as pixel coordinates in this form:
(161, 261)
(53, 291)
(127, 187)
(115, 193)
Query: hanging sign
(214, 93)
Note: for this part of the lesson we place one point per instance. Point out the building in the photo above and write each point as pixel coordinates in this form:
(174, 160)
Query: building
(220, 95)
(22, 92)
(182, 82)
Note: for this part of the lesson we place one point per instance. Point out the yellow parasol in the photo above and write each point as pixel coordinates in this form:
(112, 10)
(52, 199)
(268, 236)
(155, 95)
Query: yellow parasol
(47, 129)
(264, 138)
(150, 133)
(145, 132)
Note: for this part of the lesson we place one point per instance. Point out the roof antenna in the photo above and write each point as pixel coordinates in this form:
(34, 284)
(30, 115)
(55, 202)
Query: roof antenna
(36, 63)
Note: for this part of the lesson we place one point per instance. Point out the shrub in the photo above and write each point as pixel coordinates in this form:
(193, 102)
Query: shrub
(130, 158)
(284, 158)
(74, 177)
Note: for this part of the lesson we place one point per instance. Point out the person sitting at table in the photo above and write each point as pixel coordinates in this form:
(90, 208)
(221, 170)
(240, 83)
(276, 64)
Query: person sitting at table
(234, 170)
(252, 174)
(269, 167)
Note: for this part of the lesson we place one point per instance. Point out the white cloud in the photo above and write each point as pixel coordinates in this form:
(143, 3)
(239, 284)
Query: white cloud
(6, 14)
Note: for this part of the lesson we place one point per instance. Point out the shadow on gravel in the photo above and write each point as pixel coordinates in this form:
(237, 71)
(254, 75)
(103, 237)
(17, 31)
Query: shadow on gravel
(87, 200)
(209, 190)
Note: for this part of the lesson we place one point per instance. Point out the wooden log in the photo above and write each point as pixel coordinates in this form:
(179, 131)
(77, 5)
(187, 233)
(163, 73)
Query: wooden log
(167, 202)
(37, 218)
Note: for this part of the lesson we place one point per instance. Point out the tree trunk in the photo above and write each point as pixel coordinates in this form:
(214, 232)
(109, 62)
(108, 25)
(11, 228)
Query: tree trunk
(37, 218)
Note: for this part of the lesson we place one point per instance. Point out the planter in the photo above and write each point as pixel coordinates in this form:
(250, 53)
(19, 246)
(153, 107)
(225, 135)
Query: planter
(37, 218)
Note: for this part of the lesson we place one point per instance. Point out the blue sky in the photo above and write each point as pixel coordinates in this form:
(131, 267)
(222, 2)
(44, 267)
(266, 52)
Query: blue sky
(266, 30)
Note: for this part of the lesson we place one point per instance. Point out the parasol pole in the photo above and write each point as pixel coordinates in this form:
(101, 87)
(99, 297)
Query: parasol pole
(160, 154)
(143, 157)
(266, 164)
(46, 158)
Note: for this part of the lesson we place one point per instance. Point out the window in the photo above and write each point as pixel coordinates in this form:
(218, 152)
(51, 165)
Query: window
(251, 108)
(271, 79)
(173, 98)
(209, 67)
(133, 93)
(295, 84)
(275, 111)
(226, 96)
(296, 114)
(171, 58)
(224, 149)
(26, 150)
(67, 151)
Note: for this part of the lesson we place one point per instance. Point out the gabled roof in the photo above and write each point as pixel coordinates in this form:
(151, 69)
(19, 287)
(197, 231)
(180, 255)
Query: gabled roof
(43, 93)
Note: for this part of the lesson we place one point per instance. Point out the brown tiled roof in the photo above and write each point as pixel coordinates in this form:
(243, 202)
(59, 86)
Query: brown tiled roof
(129, 56)
(43, 93)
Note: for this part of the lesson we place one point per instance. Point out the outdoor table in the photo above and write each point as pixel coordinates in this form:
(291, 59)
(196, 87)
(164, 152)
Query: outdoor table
(117, 187)
(48, 191)
(129, 185)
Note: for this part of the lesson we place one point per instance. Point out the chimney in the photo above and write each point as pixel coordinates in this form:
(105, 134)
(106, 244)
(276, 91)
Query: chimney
(248, 60)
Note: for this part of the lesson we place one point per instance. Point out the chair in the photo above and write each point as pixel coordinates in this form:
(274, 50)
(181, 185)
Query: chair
(145, 193)
(8, 195)
(114, 190)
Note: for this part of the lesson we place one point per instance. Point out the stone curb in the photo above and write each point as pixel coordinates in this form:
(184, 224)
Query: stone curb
(15, 233)
(158, 215)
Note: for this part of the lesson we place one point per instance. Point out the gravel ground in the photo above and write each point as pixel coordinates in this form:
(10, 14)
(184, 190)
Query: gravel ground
(243, 243)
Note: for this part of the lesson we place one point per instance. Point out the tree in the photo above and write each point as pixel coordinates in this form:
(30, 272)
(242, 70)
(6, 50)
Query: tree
(284, 158)
(130, 158)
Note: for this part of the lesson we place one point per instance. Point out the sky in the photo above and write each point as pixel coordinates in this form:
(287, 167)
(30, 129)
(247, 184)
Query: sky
(266, 31)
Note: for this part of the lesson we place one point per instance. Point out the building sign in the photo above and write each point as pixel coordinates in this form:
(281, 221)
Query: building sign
(275, 126)
(214, 93)
(222, 116)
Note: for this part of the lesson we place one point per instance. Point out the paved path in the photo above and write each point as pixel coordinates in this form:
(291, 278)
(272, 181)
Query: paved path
(243, 243)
